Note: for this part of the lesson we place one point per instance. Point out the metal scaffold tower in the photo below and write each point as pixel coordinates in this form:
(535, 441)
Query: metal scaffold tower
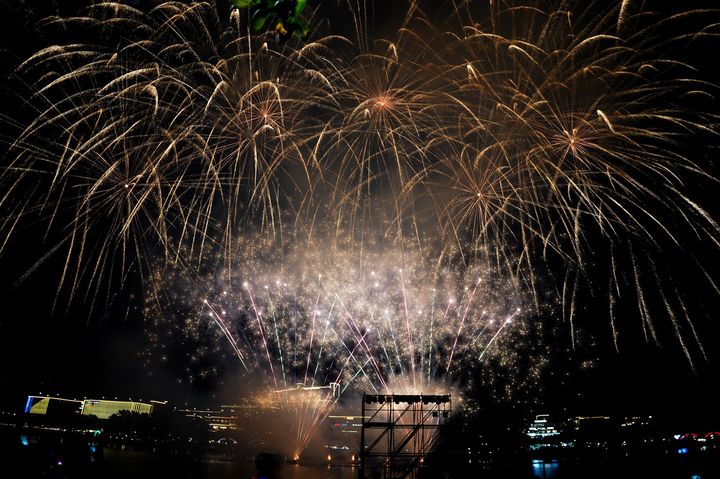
(398, 431)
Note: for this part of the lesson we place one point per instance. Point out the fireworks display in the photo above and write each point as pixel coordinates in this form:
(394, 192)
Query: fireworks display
(372, 210)
(310, 323)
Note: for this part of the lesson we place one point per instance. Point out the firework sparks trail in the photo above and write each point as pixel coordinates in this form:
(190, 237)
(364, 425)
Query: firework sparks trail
(527, 133)
(335, 334)
(462, 322)
(258, 316)
(226, 332)
(516, 138)
(497, 333)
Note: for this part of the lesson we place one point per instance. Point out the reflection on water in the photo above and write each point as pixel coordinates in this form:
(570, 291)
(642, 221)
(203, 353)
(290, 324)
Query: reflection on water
(57, 455)
(62, 455)
(119, 464)
(625, 466)
(545, 469)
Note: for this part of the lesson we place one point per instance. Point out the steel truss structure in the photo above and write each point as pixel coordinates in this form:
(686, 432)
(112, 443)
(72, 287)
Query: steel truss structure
(398, 431)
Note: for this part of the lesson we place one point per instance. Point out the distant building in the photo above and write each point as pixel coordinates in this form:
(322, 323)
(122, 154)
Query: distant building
(245, 413)
(341, 437)
(226, 418)
(637, 421)
(345, 424)
(52, 406)
(542, 428)
(104, 408)
(591, 422)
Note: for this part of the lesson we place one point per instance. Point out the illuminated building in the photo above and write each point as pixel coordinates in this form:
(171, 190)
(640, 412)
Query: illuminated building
(104, 408)
(594, 422)
(636, 421)
(542, 428)
(224, 419)
(52, 406)
(101, 408)
(343, 437)
(346, 424)
(245, 413)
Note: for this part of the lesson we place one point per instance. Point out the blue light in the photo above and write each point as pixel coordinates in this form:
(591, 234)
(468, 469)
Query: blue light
(545, 469)
(683, 450)
(28, 404)
(24, 440)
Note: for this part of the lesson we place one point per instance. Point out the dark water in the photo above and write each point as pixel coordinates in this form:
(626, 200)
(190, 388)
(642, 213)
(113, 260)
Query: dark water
(62, 456)
(119, 464)
(654, 466)
(125, 464)
(602, 465)
(59, 455)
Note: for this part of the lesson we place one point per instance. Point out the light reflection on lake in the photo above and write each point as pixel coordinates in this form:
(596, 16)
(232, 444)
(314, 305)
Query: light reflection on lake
(120, 464)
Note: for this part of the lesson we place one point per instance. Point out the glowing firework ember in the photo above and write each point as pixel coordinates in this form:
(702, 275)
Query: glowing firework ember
(312, 323)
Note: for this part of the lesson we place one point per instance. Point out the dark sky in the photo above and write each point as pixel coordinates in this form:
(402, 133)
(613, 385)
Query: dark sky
(75, 353)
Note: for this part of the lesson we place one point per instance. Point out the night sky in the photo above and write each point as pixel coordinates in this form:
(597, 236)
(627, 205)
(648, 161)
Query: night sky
(79, 351)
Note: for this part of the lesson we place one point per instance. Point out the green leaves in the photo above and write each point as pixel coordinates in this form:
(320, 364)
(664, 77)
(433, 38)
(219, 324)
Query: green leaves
(284, 16)
(299, 7)
(258, 22)
(245, 3)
